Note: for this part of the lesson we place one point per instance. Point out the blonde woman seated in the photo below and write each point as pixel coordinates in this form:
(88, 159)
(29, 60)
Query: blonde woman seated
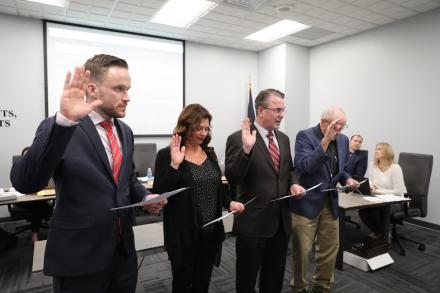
(385, 177)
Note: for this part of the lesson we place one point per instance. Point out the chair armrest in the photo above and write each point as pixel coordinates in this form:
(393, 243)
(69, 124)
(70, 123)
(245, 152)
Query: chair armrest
(405, 204)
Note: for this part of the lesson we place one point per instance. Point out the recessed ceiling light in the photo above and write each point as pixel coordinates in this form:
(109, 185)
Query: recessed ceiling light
(59, 3)
(183, 13)
(277, 30)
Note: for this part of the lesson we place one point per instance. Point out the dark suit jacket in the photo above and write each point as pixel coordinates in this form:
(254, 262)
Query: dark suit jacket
(357, 163)
(313, 166)
(180, 222)
(255, 176)
(84, 233)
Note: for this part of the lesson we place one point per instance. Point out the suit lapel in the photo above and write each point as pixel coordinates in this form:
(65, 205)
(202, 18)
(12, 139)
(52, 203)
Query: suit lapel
(90, 130)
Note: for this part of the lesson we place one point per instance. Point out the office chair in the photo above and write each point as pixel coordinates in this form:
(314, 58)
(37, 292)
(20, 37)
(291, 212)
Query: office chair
(416, 170)
(144, 157)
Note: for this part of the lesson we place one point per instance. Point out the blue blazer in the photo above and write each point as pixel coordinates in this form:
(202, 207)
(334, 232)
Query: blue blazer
(313, 167)
(84, 234)
(357, 163)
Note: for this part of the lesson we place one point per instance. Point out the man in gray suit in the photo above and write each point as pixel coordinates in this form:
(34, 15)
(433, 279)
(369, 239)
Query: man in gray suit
(259, 163)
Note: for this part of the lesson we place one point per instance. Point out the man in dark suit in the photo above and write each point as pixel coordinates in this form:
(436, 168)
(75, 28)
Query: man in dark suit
(259, 163)
(89, 153)
(320, 155)
(357, 162)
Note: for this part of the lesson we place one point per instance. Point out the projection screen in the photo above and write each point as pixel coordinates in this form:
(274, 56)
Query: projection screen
(156, 67)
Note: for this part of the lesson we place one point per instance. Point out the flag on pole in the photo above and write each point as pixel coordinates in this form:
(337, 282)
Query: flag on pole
(251, 111)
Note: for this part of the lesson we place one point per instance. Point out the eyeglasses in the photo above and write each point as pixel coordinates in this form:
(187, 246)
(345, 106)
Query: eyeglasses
(200, 129)
(276, 110)
(345, 126)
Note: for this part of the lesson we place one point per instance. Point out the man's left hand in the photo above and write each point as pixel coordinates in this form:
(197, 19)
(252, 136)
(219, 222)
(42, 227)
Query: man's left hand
(351, 181)
(154, 208)
(297, 191)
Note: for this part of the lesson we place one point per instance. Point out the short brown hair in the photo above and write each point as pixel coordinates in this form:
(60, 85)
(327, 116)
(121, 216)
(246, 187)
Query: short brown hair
(356, 135)
(99, 64)
(260, 100)
(188, 121)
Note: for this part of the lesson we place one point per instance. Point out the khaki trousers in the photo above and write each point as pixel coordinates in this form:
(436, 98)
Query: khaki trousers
(323, 231)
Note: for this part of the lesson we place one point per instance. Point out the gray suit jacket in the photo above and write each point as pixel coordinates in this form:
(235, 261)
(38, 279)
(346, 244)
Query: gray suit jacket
(255, 176)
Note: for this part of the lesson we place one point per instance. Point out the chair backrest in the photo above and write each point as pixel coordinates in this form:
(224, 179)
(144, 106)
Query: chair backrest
(144, 157)
(417, 170)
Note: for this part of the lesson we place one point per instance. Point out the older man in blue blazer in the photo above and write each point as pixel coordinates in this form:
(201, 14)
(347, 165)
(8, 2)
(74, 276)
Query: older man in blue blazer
(89, 153)
(320, 155)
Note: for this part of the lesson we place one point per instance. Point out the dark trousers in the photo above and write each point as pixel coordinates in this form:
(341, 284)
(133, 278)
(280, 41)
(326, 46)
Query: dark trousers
(265, 254)
(193, 274)
(374, 218)
(119, 276)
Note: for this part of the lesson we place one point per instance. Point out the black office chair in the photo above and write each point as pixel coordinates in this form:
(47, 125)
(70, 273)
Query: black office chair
(144, 157)
(416, 170)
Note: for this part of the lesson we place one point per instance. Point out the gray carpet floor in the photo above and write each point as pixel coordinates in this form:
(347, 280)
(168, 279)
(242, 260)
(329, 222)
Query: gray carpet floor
(417, 272)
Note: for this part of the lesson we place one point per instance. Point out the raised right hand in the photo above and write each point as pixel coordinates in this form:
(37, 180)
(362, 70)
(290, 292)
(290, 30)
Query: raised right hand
(177, 152)
(72, 104)
(247, 137)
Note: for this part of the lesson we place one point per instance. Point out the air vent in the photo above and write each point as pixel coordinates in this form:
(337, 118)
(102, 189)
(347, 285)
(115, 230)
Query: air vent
(312, 33)
(248, 4)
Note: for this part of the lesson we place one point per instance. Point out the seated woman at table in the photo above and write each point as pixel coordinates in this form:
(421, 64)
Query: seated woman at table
(385, 177)
(190, 162)
(34, 212)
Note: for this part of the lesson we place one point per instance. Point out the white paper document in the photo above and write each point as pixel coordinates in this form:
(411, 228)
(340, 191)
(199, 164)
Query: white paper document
(291, 195)
(342, 188)
(228, 214)
(391, 197)
(372, 198)
(157, 199)
(9, 193)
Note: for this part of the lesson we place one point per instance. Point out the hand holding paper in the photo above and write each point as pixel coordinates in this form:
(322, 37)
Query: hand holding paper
(154, 208)
(154, 199)
(298, 195)
(343, 188)
(230, 213)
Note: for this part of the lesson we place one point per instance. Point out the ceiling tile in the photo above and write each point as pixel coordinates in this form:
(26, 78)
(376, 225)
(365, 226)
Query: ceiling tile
(8, 10)
(77, 14)
(332, 4)
(365, 3)
(104, 3)
(427, 6)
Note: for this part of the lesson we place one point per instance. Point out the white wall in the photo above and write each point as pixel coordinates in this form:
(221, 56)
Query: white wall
(387, 81)
(286, 67)
(297, 90)
(218, 78)
(22, 81)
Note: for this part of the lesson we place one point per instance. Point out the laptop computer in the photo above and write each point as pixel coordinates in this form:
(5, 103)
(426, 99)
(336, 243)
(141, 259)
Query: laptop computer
(364, 188)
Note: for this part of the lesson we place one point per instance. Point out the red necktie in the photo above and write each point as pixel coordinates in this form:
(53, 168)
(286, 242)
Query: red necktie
(273, 151)
(114, 148)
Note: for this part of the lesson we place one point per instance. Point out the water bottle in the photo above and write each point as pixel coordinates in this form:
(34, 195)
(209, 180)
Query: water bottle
(149, 174)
